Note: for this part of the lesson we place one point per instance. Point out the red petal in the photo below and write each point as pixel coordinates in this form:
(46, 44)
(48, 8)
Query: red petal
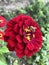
(18, 38)
(12, 35)
(30, 46)
(26, 51)
(16, 28)
(20, 45)
(11, 43)
(20, 55)
(20, 23)
(3, 21)
(21, 32)
(18, 50)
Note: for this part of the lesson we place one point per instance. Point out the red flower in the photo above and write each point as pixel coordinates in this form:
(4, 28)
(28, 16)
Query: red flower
(23, 36)
(1, 35)
(2, 21)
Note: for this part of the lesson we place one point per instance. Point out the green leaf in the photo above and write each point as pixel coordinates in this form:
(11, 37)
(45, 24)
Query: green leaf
(43, 29)
(4, 49)
(2, 60)
(1, 63)
(37, 58)
(2, 42)
(30, 61)
(22, 11)
(47, 25)
(44, 38)
(15, 62)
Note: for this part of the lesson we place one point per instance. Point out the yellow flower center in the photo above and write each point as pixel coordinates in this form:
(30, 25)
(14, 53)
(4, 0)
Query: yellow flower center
(1, 35)
(29, 32)
(27, 29)
(1, 21)
(28, 37)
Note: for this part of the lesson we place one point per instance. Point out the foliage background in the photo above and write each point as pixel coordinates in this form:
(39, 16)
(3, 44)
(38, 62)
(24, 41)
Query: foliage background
(40, 12)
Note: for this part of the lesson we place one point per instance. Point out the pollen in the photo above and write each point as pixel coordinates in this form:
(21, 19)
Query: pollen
(28, 37)
(29, 33)
(27, 30)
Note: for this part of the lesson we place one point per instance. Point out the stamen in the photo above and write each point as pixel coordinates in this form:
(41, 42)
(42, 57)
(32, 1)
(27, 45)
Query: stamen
(27, 30)
(28, 37)
(32, 28)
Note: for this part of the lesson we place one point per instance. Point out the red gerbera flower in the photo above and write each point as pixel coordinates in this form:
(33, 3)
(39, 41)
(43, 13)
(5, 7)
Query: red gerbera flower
(1, 35)
(2, 21)
(23, 36)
